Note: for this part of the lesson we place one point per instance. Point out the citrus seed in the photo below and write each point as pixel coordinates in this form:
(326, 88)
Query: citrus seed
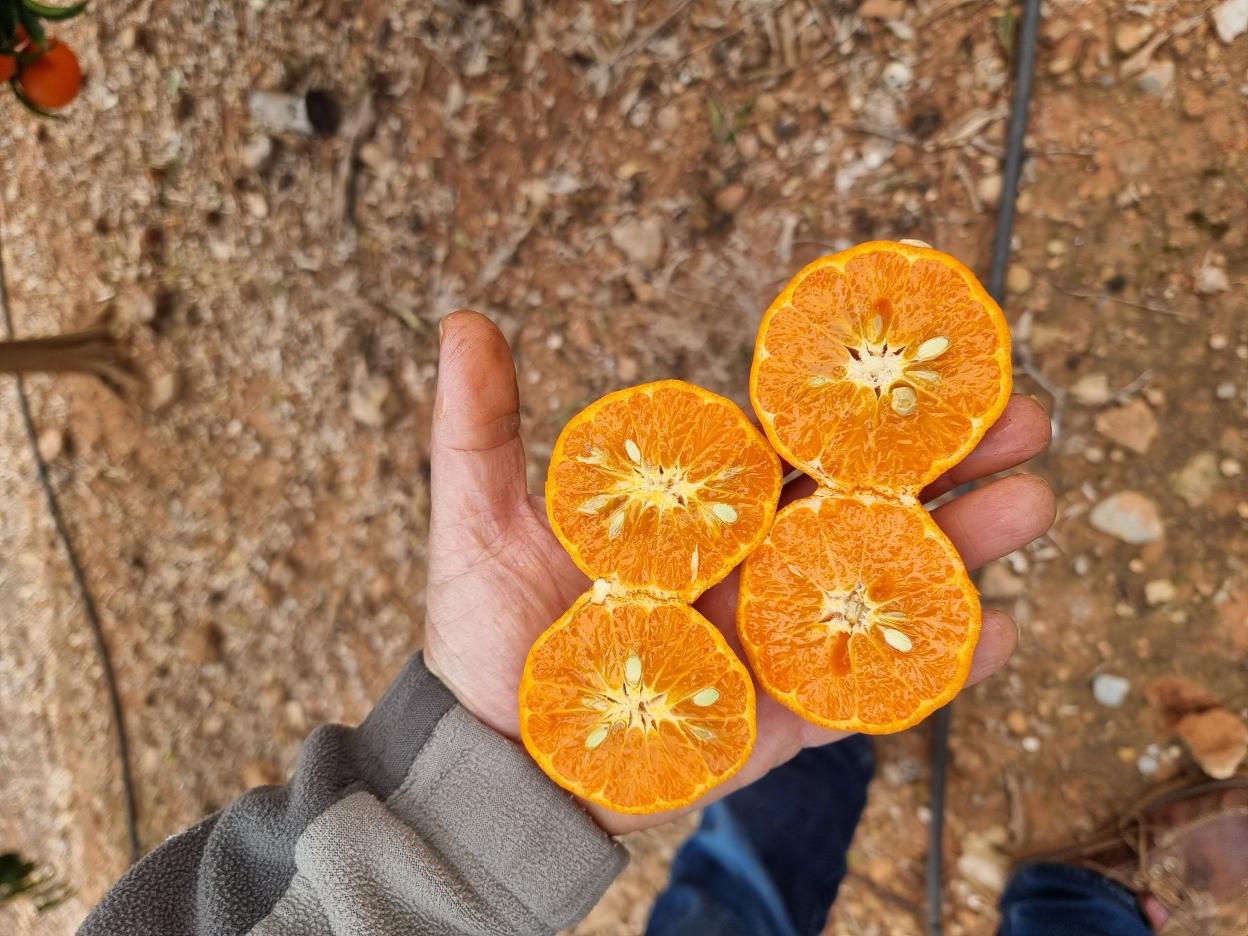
(632, 669)
(897, 640)
(594, 504)
(708, 696)
(904, 401)
(932, 348)
(930, 376)
(702, 734)
(597, 736)
(617, 524)
(725, 512)
(633, 451)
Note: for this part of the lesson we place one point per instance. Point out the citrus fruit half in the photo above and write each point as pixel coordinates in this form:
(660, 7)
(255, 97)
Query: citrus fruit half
(637, 704)
(663, 486)
(857, 613)
(880, 367)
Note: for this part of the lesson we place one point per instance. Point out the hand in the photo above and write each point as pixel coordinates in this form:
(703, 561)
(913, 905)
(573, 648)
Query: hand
(498, 577)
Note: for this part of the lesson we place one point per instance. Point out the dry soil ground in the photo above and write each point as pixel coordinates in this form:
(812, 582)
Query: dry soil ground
(623, 186)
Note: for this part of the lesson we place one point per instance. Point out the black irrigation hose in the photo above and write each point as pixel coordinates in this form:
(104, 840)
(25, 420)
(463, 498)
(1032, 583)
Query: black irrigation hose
(85, 596)
(1020, 107)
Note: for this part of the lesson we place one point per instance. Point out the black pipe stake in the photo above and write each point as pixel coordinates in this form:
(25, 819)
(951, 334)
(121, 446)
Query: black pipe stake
(1020, 107)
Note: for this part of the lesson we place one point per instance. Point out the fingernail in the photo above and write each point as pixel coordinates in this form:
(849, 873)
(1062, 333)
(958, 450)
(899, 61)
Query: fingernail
(442, 327)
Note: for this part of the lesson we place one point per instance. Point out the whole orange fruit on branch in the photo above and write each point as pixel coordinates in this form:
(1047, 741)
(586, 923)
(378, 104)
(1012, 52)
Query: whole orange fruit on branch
(54, 79)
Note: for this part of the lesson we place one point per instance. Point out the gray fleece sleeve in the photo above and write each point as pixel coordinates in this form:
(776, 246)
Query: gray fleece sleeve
(421, 820)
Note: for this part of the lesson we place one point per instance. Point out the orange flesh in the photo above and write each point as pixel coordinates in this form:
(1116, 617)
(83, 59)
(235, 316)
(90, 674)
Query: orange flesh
(875, 370)
(637, 705)
(665, 487)
(853, 329)
(857, 613)
(632, 699)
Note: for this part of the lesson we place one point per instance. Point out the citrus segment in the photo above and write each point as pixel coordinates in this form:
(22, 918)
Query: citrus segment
(638, 704)
(880, 366)
(663, 486)
(857, 613)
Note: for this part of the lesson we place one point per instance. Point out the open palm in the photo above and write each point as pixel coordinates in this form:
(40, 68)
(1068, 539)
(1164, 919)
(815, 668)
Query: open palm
(498, 577)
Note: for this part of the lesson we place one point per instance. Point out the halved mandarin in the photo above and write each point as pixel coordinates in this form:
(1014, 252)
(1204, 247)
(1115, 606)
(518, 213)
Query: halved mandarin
(857, 613)
(636, 703)
(664, 486)
(880, 367)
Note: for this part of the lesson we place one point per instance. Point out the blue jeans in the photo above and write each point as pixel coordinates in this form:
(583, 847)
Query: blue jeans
(768, 860)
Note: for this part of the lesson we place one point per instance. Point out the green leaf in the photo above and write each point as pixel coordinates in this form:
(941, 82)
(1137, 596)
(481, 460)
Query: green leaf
(34, 28)
(719, 126)
(1006, 28)
(54, 14)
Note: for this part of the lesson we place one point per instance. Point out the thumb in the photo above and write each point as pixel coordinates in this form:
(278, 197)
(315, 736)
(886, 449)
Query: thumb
(477, 459)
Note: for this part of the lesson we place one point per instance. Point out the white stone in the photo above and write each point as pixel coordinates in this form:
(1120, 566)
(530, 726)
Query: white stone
(1159, 592)
(1109, 690)
(640, 240)
(1128, 516)
(1230, 19)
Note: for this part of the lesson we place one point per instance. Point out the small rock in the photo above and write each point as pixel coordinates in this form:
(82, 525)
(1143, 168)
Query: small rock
(989, 189)
(982, 864)
(1173, 699)
(1091, 390)
(1157, 79)
(51, 444)
(882, 9)
(280, 113)
(1018, 279)
(1196, 481)
(1159, 592)
(1224, 390)
(1109, 690)
(998, 581)
(896, 76)
(163, 390)
(668, 118)
(1218, 740)
(1132, 426)
(256, 204)
(640, 240)
(368, 399)
(1218, 342)
(1094, 454)
(1230, 468)
(1195, 104)
(626, 368)
(1031, 744)
(1230, 19)
(1128, 516)
(1211, 278)
(138, 306)
(1016, 721)
(730, 199)
(1147, 764)
(1131, 35)
(256, 151)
